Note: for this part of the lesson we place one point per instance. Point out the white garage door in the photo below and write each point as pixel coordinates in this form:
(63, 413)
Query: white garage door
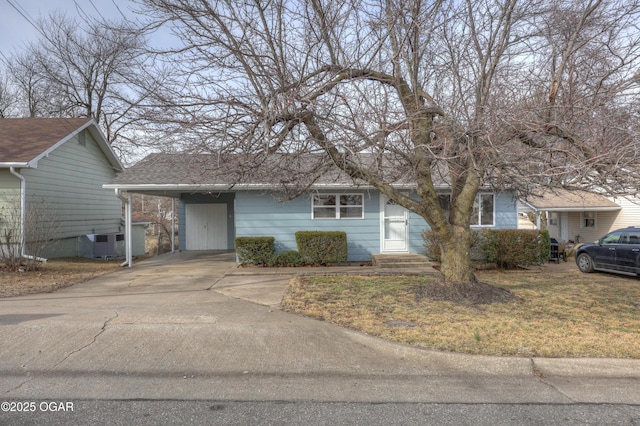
(206, 226)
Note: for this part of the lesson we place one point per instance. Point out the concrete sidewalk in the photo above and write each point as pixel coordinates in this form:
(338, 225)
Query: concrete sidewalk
(194, 326)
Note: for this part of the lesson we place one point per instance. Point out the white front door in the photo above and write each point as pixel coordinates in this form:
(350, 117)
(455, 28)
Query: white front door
(206, 226)
(394, 227)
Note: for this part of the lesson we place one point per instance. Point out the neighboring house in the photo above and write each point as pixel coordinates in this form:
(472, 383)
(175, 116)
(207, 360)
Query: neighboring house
(582, 216)
(218, 202)
(59, 164)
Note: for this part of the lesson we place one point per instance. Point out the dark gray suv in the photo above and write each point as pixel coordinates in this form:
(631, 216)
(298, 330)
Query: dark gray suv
(618, 251)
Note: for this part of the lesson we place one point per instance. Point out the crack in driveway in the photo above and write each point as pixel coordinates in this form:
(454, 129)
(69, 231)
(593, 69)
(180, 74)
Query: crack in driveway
(102, 330)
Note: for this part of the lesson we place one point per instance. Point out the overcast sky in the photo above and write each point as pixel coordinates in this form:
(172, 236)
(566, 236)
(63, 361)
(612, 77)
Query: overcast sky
(16, 30)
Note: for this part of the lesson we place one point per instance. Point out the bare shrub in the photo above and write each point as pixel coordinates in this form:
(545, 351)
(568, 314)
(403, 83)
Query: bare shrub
(41, 233)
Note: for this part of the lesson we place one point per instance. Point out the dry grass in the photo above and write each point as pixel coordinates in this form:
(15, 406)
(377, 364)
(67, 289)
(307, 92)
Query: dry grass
(558, 312)
(53, 275)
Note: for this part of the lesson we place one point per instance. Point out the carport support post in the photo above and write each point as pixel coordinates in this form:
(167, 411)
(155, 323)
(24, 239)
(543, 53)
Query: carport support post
(127, 210)
(126, 199)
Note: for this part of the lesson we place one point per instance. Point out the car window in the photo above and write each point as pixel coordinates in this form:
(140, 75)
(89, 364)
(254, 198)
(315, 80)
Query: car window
(612, 238)
(633, 237)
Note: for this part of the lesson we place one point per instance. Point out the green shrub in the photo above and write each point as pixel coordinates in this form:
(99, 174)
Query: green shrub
(322, 247)
(255, 250)
(545, 246)
(510, 248)
(288, 258)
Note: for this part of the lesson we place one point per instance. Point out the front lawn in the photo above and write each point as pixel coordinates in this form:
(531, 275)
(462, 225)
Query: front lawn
(53, 275)
(557, 312)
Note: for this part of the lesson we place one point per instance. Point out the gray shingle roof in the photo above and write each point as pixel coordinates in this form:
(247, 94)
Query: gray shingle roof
(278, 171)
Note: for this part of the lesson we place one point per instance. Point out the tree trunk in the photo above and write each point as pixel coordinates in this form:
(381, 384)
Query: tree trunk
(455, 265)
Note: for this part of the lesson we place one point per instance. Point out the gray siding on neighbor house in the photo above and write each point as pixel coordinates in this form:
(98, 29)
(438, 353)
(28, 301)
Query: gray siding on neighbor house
(70, 180)
(9, 199)
(9, 187)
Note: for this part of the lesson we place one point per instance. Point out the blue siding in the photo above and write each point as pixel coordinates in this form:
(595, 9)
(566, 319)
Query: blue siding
(260, 214)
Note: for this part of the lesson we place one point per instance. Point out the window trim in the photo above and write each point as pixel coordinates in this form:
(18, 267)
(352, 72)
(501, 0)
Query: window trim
(493, 210)
(583, 218)
(337, 206)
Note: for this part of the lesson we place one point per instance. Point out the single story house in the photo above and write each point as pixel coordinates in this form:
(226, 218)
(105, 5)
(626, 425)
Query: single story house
(580, 216)
(59, 165)
(219, 200)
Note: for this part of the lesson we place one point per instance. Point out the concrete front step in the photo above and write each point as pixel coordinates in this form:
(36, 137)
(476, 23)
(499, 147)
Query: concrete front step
(401, 261)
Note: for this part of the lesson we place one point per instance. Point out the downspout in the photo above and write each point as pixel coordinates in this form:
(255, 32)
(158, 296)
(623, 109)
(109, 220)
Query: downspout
(23, 206)
(173, 225)
(127, 221)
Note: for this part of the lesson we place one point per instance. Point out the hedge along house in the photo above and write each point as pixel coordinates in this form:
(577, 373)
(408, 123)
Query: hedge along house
(223, 197)
(59, 165)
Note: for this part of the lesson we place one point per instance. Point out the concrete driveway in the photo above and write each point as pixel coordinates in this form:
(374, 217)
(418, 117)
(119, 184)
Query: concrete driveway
(193, 326)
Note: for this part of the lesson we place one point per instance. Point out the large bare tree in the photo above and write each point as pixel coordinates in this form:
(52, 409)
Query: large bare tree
(8, 97)
(82, 68)
(485, 93)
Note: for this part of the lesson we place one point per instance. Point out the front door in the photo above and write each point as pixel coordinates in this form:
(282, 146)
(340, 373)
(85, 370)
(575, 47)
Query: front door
(395, 227)
(628, 251)
(206, 226)
(604, 254)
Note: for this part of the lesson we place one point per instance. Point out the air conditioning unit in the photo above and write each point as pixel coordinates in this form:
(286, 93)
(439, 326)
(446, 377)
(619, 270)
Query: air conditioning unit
(108, 245)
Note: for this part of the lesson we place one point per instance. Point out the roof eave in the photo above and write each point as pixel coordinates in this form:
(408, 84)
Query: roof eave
(580, 209)
(570, 209)
(17, 165)
(228, 187)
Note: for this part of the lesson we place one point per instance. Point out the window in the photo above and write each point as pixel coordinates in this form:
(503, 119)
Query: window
(338, 206)
(483, 210)
(445, 203)
(612, 238)
(588, 219)
(483, 214)
(553, 218)
(633, 237)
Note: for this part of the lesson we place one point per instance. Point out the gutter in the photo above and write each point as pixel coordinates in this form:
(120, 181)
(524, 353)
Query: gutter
(14, 164)
(184, 187)
(23, 206)
(127, 221)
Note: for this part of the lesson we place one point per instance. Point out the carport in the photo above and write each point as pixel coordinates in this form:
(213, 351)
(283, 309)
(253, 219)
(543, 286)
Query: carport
(206, 206)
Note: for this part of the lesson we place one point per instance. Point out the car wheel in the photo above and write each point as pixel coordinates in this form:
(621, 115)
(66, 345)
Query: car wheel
(585, 264)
